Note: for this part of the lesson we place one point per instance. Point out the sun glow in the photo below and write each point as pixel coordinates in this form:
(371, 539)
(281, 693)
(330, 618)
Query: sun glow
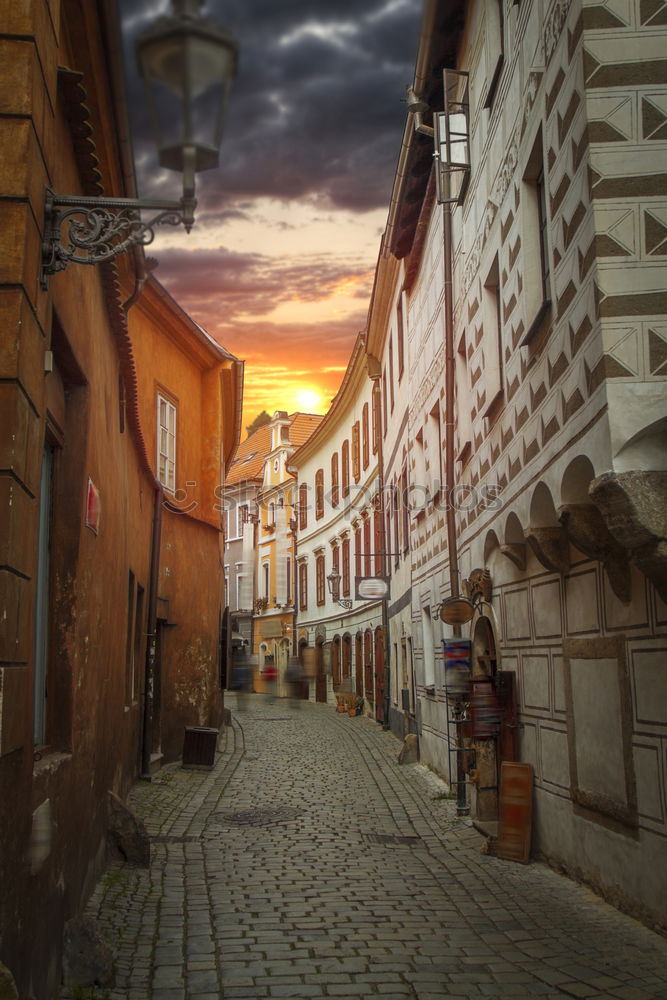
(308, 399)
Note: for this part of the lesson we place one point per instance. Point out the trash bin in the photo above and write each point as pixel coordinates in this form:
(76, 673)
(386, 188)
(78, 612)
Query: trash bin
(199, 746)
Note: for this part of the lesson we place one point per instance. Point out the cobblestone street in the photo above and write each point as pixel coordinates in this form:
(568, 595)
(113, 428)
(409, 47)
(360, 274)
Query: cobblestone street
(308, 863)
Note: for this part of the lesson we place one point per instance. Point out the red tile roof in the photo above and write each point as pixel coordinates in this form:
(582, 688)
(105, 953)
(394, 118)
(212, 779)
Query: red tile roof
(251, 453)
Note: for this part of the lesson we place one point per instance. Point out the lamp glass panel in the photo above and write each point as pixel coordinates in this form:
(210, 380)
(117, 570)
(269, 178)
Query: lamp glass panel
(187, 77)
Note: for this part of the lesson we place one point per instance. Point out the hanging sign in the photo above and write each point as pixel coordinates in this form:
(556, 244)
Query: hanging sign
(458, 661)
(456, 611)
(371, 588)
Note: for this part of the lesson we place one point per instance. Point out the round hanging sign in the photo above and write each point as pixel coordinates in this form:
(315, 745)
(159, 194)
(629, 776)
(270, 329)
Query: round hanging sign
(456, 611)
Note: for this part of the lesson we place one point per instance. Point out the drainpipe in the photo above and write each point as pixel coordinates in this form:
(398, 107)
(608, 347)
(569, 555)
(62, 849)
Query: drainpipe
(151, 650)
(374, 373)
(462, 808)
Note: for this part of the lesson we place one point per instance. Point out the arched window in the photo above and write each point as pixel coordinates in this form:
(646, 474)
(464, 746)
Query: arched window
(303, 506)
(319, 494)
(335, 495)
(345, 462)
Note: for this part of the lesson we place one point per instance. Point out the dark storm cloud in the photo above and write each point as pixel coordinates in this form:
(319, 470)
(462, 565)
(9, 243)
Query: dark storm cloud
(250, 284)
(316, 109)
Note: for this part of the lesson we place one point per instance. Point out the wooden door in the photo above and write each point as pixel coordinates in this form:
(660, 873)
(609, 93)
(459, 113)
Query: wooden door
(379, 675)
(359, 665)
(320, 676)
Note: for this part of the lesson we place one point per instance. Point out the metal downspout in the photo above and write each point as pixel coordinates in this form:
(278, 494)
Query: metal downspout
(450, 427)
(383, 542)
(151, 649)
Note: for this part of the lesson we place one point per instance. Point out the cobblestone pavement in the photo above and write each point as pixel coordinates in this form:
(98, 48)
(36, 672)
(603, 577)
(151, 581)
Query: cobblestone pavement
(308, 863)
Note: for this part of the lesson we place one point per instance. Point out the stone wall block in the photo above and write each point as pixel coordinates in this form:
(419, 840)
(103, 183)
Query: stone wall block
(588, 532)
(634, 508)
(15, 708)
(17, 541)
(127, 836)
(87, 958)
(551, 547)
(22, 345)
(15, 618)
(20, 451)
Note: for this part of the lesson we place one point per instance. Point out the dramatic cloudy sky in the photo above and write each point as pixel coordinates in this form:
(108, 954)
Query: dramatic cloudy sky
(279, 265)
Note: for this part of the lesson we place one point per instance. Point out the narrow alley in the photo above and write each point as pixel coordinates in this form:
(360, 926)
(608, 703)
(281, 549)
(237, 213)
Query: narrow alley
(308, 863)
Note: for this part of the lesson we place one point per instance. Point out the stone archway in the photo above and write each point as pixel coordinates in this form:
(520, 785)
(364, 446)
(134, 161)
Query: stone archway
(494, 717)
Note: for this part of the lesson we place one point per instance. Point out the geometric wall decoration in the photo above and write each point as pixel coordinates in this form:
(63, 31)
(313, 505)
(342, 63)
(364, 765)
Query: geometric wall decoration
(655, 228)
(657, 349)
(654, 117)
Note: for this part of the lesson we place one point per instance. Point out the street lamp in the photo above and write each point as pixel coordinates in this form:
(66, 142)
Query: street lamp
(333, 582)
(187, 63)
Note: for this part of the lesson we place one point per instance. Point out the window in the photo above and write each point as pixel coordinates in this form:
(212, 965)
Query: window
(365, 448)
(319, 579)
(303, 506)
(435, 435)
(303, 586)
(377, 537)
(288, 581)
(335, 496)
(166, 443)
(396, 507)
(384, 403)
(272, 515)
(387, 536)
(544, 242)
(495, 47)
(319, 494)
(367, 547)
(452, 139)
(400, 336)
(266, 580)
(391, 374)
(346, 567)
(356, 457)
(535, 242)
(492, 338)
(405, 508)
(464, 418)
(242, 514)
(428, 647)
(357, 551)
(345, 462)
(375, 403)
(335, 558)
(242, 597)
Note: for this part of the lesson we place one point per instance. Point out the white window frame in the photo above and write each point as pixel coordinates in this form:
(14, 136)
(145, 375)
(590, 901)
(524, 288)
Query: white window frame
(166, 442)
(240, 522)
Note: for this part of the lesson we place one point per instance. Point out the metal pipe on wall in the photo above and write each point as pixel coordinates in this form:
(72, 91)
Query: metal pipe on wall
(151, 649)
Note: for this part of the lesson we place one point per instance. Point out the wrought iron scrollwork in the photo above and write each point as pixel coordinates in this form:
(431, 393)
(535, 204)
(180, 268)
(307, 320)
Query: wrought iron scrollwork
(93, 230)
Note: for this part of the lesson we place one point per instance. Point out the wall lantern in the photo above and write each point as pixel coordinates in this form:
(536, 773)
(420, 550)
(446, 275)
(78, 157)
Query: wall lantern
(187, 63)
(452, 139)
(333, 583)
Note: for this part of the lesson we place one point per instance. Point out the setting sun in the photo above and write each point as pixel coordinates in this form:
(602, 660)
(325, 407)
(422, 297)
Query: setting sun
(308, 399)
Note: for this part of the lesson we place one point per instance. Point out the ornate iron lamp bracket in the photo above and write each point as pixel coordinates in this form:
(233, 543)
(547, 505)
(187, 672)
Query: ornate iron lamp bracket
(91, 230)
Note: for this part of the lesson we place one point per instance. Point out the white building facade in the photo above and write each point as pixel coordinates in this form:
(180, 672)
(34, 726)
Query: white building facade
(340, 635)
(534, 311)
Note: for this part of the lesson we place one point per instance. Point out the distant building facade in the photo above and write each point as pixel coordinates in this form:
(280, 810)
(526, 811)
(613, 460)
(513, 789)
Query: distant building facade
(339, 531)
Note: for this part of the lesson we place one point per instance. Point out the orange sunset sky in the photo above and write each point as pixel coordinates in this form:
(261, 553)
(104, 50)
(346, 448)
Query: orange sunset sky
(280, 263)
